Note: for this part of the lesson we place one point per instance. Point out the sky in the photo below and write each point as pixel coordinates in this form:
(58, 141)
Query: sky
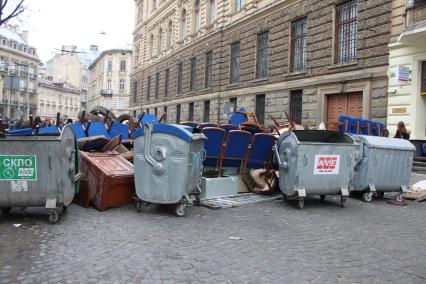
(53, 23)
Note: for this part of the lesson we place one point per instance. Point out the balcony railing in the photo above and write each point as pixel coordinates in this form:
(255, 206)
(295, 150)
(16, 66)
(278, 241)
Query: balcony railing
(106, 92)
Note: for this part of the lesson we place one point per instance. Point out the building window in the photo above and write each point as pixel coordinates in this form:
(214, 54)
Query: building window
(166, 82)
(122, 84)
(120, 103)
(212, 11)
(262, 55)
(160, 41)
(296, 106)
(109, 85)
(165, 114)
(154, 5)
(151, 46)
(260, 108)
(193, 76)
(239, 5)
(206, 117)
(135, 91)
(347, 31)
(109, 66)
(191, 112)
(180, 78)
(197, 15)
(148, 89)
(123, 65)
(299, 32)
(423, 79)
(208, 71)
(182, 30)
(178, 114)
(170, 34)
(233, 102)
(157, 85)
(235, 63)
(156, 112)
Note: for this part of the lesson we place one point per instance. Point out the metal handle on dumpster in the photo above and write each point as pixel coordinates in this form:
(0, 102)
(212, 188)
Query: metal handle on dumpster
(282, 165)
(158, 168)
(349, 160)
(305, 159)
(78, 176)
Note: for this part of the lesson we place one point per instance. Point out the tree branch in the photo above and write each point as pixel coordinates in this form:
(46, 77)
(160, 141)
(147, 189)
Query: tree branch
(16, 12)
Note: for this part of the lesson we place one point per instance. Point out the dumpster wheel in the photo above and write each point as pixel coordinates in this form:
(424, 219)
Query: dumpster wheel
(400, 197)
(300, 203)
(380, 194)
(5, 210)
(53, 216)
(368, 196)
(180, 209)
(139, 204)
(322, 197)
(342, 201)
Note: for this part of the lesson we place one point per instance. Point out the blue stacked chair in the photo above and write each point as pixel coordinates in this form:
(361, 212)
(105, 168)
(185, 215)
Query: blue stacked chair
(213, 145)
(236, 146)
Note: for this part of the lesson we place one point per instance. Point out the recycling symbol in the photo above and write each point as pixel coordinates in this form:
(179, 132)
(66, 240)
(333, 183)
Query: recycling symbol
(8, 173)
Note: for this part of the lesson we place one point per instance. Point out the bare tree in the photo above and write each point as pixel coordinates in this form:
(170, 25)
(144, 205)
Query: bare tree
(10, 9)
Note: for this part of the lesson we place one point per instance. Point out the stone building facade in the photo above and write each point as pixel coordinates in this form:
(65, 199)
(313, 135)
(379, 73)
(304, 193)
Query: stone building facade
(18, 74)
(57, 97)
(110, 81)
(407, 67)
(313, 59)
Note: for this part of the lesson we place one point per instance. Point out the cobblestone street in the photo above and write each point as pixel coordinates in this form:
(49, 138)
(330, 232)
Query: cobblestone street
(265, 243)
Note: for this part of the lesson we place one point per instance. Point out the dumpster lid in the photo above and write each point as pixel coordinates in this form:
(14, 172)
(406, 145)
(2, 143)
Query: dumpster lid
(186, 133)
(385, 142)
(319, 136)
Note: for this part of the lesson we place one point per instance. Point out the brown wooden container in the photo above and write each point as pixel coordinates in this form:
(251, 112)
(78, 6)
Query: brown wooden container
(108, 180)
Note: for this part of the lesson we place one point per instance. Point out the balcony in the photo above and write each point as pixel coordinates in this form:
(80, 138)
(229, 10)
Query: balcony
(106, 93)
(24, 74)
(13, 71)
(415, 14)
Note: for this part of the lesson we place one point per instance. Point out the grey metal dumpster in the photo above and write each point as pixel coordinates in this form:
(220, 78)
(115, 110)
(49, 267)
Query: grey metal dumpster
(315, 162)
(168, 165)
(39, 171)
(385, 166)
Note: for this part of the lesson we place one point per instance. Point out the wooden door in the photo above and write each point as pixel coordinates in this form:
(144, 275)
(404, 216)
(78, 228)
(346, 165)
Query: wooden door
(342, 104)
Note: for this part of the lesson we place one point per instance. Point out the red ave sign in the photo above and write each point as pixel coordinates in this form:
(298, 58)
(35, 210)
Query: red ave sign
(326, 164)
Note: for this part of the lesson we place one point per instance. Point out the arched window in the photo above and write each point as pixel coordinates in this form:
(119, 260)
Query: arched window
(212, 11)
(197, 15)
(160, 41)
(170, 34)
(182, 32)
(151, 45)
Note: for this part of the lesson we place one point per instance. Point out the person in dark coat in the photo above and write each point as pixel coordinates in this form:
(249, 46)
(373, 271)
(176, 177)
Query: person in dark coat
(402, 132)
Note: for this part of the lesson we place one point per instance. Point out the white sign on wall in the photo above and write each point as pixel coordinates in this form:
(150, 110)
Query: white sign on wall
(402, 74)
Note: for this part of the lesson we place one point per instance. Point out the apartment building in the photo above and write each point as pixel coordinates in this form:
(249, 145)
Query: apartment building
(312, 59)
(110, 80)
(71, 66)
(18, 70)
(57, 97)
(407, 67)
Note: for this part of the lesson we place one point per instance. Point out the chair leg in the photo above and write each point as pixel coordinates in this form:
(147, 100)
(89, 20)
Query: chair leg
(219, 174)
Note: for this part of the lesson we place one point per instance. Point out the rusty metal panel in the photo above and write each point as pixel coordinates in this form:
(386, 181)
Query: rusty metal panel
(108, 180)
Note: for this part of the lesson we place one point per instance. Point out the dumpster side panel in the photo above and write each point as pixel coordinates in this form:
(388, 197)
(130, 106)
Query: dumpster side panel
(320, 168)
(29, 193)
(165, 184)
(386, 169)
(326, 168)
(195, 165)
(67, 177)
